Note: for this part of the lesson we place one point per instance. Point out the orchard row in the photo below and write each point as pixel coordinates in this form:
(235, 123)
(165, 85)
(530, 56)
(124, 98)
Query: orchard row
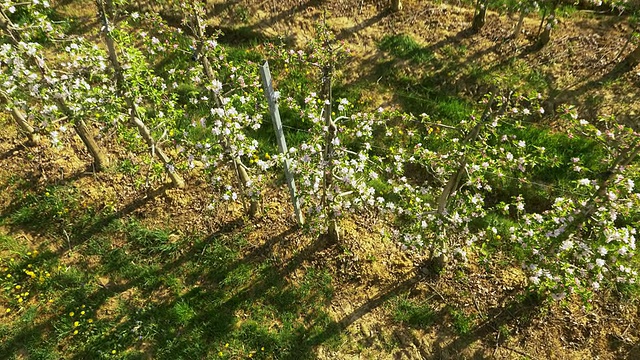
(443, 189)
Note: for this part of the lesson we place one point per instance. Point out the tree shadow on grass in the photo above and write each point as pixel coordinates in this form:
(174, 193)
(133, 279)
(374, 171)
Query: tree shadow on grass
(569, 95)
(224, 282)
(248, 299)
(225, 304)
(43, 208)
(349, 32)
(514, 312)
(34, 203)
(14, 151)
(85, 289)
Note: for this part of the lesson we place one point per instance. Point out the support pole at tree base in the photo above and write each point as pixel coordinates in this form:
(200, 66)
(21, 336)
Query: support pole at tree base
(265, 74)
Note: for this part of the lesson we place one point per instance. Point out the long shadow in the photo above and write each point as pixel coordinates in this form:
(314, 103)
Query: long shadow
(225, 34)
(425, 56)
(334, 328)
(218, 312)
(47, 220)
(83, 233)
(99, 297)
(619, 70)
(286, 14)
(349, 32)
(30, 183)
(13, 151)
(378, 300)
(520, 311)
(219, 9)
(450, 40)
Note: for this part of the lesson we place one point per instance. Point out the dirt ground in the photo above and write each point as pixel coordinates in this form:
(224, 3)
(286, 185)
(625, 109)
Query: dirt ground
(368, 273)
(368, 270)
(577, 65)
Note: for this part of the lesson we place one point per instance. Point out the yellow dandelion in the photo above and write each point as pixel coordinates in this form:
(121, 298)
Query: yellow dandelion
(226, 345)
(113, 352)
(75, 332)
(90, 321)
(76, 324)
(8, 310)
(20, 300)
(18, 287)
(82, 312)
(71, 314)
(50, 300)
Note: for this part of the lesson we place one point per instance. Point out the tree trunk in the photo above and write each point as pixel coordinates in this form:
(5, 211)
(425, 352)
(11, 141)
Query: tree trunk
(333, 230)
(240, 168)
(396, 5)
(454, 180)
(480, 16)
(20, 119)
(144, 131)
(545, 36)
(100, 160)
(518, 29)
(134, 116)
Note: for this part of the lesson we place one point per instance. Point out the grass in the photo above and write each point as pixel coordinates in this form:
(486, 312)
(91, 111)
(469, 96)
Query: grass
(462, 323)
(405, 47)
(123, 289)
(134, 291)
(413, 313)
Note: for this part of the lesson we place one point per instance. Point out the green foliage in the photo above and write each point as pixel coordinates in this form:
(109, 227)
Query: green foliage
(177, 298)
(47, 209)
(417, 314)
(462, 323)
(405, 47)
(193, 297)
